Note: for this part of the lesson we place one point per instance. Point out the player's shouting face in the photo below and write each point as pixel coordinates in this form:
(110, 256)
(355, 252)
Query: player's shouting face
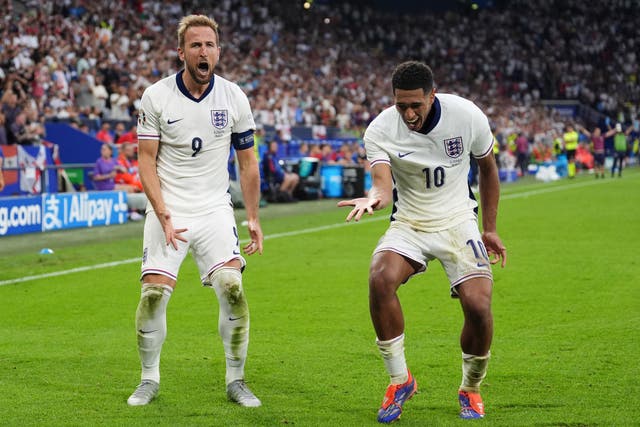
(200, 53)
(414, 106)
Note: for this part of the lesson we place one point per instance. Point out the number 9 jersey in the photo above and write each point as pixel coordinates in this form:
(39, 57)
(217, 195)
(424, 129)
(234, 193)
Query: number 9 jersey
(194, 137)
(430, 170)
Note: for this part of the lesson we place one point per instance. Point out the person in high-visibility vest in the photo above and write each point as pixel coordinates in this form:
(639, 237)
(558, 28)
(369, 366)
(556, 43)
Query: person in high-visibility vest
(620, 147)
(570, 139)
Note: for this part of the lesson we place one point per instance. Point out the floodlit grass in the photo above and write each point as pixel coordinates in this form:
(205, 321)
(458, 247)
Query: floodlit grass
(567, 314)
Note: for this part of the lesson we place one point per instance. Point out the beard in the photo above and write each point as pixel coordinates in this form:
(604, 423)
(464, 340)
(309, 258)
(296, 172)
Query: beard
(199, 74)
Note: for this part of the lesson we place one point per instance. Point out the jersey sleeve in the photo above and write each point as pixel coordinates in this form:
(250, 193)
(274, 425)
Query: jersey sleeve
(373, 138)
(244, 125)
(148, 118)
(482, 143)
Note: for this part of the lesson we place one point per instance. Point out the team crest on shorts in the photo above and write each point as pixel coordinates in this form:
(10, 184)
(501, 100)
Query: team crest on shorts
(454, 147)
(219, 118)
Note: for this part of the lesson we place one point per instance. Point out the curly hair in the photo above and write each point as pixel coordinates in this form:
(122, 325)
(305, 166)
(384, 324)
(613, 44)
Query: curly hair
(412, 75)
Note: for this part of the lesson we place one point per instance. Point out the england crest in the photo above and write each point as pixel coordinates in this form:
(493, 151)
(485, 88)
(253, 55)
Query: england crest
(219, 118)
(454, 147)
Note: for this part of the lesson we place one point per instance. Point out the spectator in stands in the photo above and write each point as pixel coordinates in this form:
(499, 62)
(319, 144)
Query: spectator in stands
(522, 150)
(321, 87)
(328, 156)
(10, 109)
(273, 172)
(99, 92)
(130, 136)
(83, 94)
(60, 104)
(104, 178)
(129, 181)
(128, 159)
(104, 134)
(303, 150)
(315, 151)
(361, 157)
(35, 123)
(118, 130)
(25, 133)
(541, 153)
(3, 130)
(345, 155)
(1, 173)
(120, 104)
(105, 170)
(84, 127)
(597, 148)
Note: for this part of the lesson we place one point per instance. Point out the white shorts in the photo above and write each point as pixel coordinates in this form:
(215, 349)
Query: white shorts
(459, 249)
(212, 238)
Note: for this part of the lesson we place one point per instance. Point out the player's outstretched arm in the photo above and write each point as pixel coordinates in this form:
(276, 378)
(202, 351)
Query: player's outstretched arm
(379, 195)
(250, 184)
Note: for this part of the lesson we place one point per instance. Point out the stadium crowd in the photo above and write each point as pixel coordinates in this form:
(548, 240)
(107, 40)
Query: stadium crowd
(88, 62)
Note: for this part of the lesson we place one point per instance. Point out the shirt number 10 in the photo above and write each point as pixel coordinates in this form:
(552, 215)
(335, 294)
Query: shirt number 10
(437, 177)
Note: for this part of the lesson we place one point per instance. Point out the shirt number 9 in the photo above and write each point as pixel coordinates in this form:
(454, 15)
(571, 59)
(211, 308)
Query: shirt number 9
(196, 146)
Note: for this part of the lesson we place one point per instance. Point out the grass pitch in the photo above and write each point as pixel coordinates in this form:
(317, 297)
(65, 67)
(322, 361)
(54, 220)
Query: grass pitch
(567, 318)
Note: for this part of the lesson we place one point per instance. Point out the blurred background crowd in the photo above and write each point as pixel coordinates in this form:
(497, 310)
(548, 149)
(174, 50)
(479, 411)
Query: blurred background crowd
(325, 63)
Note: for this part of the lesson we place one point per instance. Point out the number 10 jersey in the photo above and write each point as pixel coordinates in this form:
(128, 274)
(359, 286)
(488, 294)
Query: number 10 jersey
(430, 170)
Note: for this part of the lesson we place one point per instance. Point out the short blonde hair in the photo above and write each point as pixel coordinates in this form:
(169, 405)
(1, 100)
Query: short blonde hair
(196, 21)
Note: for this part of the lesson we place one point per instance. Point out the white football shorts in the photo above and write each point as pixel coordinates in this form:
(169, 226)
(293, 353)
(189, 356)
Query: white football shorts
(212, 238)
(459, 249)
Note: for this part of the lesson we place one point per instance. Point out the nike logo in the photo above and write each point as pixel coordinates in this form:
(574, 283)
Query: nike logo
(170, 122)
(147, 332)
(236, 252)
(401, 155)
(233, 319)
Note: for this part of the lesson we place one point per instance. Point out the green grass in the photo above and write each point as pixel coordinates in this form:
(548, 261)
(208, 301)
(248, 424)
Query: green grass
(565, 353)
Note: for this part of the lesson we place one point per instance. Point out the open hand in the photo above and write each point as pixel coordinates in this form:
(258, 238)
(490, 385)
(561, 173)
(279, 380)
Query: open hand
(361, 205)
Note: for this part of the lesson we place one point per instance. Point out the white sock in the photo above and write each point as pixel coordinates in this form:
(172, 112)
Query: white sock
(392, 352)
(233, 320)
(474, 369)
(151, 327)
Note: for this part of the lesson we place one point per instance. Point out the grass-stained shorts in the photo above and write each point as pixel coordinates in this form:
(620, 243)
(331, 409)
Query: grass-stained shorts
(459, 249)
(212, 238)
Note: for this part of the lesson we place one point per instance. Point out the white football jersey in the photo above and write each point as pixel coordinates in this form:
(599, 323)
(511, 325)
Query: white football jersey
(195, 136)
(430, 171)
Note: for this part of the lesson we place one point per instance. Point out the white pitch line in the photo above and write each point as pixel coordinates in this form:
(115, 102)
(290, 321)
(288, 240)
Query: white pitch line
(551, 189)
(73, 270)
(132, 260)
(289, 234)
